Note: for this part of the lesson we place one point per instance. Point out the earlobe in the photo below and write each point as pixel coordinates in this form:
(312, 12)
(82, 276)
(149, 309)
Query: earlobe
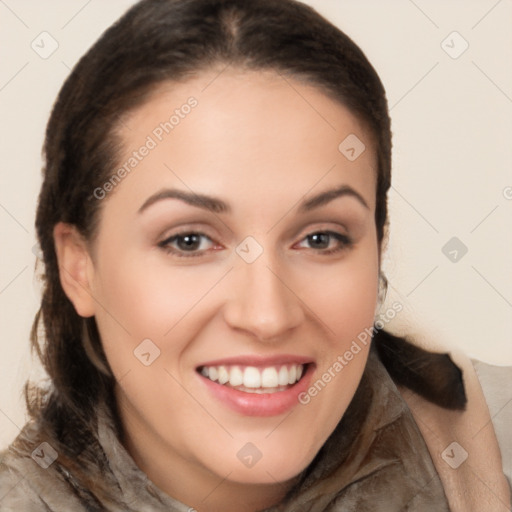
(74, 267)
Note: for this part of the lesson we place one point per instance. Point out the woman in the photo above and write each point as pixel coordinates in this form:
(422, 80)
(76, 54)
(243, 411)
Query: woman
(212, 221)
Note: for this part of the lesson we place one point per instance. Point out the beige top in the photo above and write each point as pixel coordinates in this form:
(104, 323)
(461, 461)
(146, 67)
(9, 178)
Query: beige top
(472, 449)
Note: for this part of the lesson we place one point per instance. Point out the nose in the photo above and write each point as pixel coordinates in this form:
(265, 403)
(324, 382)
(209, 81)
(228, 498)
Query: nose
(263, 302)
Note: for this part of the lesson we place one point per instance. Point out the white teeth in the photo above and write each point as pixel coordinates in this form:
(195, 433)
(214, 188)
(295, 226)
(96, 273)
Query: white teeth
(236, 377)
(282, 377)
(269, 378)
(254, 379)
(213, 373)
(223, 375)
(292, 375)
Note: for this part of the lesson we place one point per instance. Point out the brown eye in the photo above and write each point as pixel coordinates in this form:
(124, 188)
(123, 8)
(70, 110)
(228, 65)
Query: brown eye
(191, 242)
(326, 242)
(319, 240)
(188, 242)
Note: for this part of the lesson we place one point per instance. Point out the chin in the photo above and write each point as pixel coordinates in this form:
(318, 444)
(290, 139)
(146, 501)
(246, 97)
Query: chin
(279, 467)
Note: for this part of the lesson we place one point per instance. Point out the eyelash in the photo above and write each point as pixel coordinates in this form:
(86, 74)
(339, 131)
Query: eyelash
(345, 242)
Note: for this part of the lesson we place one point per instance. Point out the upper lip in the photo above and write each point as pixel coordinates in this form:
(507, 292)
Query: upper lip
(258, 360)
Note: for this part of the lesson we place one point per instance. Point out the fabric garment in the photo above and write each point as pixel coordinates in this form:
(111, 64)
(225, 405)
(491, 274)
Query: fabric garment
(375, 460)
(497, 387)
(464, 446)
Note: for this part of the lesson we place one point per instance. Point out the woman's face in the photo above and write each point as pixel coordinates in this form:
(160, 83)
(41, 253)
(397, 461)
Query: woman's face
(241, 245)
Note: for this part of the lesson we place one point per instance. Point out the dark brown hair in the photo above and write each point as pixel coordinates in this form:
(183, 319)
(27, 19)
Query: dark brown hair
(160, 41)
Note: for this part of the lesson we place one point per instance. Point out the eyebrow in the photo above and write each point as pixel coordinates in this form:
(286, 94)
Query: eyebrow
(216, 205)
(209, 203)
(329, 195)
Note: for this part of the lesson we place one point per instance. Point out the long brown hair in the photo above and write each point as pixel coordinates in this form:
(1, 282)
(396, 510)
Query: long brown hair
(157, 41)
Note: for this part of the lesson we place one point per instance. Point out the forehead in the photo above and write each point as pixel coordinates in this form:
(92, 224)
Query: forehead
(237, 132)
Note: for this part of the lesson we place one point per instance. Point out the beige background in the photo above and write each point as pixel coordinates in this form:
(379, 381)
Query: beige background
(452, 124)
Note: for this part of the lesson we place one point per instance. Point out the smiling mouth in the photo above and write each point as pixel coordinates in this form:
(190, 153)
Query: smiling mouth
(252, 379)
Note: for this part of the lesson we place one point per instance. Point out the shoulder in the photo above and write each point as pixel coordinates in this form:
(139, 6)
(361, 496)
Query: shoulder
(30, 479)
(496, 383)
(463, 409)
(15, 491)
(464, 446)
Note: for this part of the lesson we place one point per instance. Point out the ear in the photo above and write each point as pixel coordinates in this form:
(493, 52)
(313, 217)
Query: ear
(75, 268)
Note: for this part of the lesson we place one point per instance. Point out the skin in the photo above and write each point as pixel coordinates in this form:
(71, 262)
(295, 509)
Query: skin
(262, 144)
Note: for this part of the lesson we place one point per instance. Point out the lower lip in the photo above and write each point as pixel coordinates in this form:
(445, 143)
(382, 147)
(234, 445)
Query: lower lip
(255, 404)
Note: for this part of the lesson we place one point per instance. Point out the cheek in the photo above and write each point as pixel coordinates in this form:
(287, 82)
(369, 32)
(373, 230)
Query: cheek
(147, 299)
(345, 300)
(344, 296)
